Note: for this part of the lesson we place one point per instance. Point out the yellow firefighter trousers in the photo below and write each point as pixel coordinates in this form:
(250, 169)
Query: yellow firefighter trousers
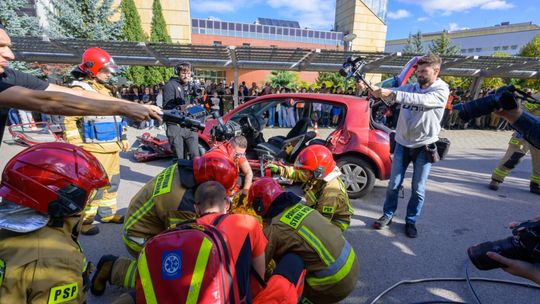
(104, 205)
(517, 149)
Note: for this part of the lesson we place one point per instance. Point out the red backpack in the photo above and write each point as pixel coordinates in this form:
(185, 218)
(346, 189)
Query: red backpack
(188, 264)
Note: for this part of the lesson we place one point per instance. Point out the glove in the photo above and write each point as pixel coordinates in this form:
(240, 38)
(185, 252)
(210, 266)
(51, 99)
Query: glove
(275, 169)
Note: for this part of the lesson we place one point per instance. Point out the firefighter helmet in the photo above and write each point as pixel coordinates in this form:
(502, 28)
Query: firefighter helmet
(317, 159)
(215, 166)
(94, 59)
(263, 193)
(57, 179)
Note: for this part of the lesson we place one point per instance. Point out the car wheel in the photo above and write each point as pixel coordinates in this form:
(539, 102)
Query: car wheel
(357, 175)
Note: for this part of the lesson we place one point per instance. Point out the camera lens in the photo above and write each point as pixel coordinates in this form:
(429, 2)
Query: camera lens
(508, 247)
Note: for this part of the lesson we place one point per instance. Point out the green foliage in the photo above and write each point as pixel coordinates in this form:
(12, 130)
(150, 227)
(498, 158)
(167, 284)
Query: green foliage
(458, 82)
(414, 44)
(495, 82)
(330, 79)
(22, 25)
(443, 45)
(86, 19)
(283, 79)
(132, 27)
(531, 49)
(158, 33)
(158, 26)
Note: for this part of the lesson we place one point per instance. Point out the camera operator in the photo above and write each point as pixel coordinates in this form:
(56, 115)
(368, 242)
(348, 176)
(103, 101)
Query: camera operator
(418, 126)
(517, 149)
(180, 92)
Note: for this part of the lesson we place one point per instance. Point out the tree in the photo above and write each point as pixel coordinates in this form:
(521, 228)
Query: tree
(443, 45)
(86, 19)
(531, 49)
(132, 31)
(330, 79)
(283, 79)
(158, 33)
(414, 44)
(22, 25)
(496, 82)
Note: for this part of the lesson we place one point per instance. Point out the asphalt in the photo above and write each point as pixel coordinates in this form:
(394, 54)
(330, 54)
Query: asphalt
(459, 211)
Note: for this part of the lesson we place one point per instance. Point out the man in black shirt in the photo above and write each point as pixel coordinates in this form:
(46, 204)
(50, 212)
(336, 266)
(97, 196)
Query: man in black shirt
(177, 93)
(26, 92)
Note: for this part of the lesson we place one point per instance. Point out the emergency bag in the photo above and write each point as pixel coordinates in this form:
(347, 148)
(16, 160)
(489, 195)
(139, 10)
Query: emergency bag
(188, 264)
(98, 129)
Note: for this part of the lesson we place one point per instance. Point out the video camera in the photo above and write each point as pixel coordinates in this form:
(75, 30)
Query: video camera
(353, 67)
(225, 131)
(503, 98)
(523, 245)
(185, 118)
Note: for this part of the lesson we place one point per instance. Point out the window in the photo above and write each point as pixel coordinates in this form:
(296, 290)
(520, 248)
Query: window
(463, 51)
(217, 43)
(505, 47)
(246, 44)
(478, 49)
(272, 30)
(279, 31)
(514, 47)
(195, 23)
(317, 34)
(497, 48)
(470, 50)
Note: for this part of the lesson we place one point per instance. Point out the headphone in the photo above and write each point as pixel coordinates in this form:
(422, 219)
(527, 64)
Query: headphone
(182, 65)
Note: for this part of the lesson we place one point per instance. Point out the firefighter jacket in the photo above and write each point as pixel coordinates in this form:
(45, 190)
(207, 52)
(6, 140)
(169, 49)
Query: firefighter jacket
(42, 266)
(73, 125)
(330, 261)
(329, 198)
(164, 202)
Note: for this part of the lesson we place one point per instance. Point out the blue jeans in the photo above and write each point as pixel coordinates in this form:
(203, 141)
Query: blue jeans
(271, 116)
(421, 169)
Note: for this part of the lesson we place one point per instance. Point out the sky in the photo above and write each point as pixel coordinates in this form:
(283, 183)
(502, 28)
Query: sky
(404, 16)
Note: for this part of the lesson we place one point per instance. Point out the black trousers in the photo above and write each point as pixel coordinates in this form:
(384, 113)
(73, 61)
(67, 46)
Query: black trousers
(179, 138)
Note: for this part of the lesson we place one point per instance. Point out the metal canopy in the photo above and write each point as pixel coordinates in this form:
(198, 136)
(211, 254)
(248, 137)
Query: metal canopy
(45, 50)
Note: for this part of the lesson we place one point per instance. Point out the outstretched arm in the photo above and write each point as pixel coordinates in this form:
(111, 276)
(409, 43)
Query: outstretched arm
(74, 103)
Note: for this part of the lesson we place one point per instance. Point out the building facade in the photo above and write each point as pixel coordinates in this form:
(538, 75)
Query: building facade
(485, 41)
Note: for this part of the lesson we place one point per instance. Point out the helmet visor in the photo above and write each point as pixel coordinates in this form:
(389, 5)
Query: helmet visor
(111, 66)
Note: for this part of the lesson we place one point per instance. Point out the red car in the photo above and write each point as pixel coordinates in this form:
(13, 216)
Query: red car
(360, 146)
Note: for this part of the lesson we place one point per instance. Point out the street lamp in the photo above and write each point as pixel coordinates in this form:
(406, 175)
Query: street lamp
(348, 41)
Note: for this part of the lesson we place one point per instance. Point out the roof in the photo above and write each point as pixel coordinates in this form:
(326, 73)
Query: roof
(45, 50)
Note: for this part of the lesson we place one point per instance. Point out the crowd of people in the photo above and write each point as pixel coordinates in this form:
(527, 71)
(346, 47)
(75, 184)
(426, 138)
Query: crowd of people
(50, 190)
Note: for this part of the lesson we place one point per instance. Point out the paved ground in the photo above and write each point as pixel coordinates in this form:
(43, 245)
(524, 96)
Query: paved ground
(459, 211)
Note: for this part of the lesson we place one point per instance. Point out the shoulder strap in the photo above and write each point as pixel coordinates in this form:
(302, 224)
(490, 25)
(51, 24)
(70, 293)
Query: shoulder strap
(82, 84)
(219, 219)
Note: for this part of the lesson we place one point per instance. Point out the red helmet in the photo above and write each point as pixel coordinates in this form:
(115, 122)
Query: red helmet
(57, 179)
(95, 59)
(263, 193)
(215, 166)
(317, 159)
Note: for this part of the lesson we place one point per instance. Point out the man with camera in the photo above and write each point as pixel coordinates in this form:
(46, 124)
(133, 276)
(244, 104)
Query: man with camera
(418, 126)
(180, 92)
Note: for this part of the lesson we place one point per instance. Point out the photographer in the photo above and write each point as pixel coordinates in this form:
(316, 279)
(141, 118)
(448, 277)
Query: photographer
(422, 108)
(180, 92)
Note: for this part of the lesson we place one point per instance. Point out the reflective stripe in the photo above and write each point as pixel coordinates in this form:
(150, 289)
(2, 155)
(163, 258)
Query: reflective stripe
(311, 196)
(173, 222)
(336, 266)
(317, 245)
(146, 280)
(514, 141)
(2, 271)
(295, 215)
(500, 172)
(531, 106)
(338, 276)
(129, 280)
(133, 245)
(535, 178)
(198, 271)
(139, 213)
(342, 224)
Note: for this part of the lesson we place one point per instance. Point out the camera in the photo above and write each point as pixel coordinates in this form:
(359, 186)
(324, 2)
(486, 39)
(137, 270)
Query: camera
(524, 244)
(353, 67)
(503, 97)
(196, 91)
(225, 131)
(186, 119)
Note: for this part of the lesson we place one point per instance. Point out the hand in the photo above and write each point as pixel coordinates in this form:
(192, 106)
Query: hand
(517, 267)
(140, 112)
(273, 168)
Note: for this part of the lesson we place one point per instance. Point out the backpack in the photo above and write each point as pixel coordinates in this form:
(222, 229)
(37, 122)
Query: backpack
(188, 264)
